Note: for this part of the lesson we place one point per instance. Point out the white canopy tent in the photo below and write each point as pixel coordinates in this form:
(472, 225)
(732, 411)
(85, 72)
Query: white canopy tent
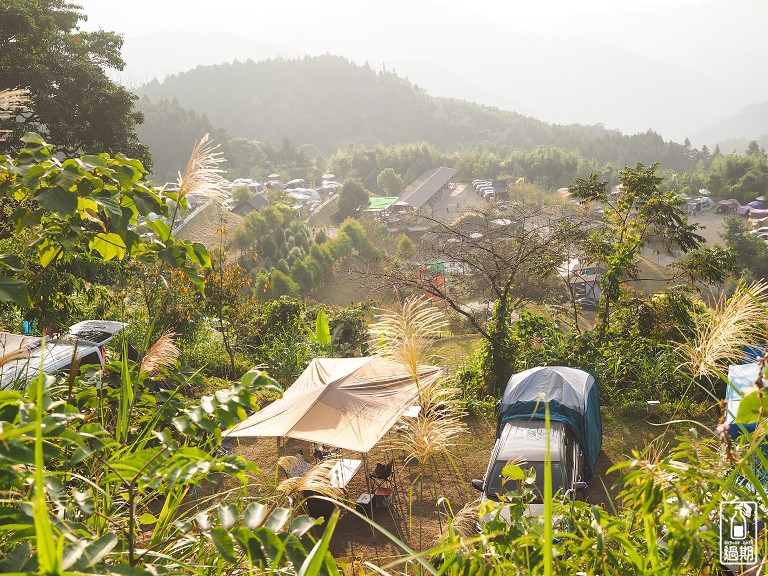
(349, 403)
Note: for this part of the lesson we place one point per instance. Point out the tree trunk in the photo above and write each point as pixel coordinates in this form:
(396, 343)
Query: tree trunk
(498, 343)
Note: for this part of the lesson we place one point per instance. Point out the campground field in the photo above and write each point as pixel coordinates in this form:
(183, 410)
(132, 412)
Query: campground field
(419, 510)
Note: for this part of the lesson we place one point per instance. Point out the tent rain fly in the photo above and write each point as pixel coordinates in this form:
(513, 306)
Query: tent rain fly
(349, 403)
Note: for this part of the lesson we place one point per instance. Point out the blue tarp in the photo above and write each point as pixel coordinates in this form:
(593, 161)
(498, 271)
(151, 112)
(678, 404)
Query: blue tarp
(572, 396)
(741, 378)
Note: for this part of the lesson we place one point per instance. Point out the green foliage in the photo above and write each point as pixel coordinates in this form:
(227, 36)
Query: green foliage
(641, 210)
(280, 284)
(352, 198)
(322, 333)
(390, 182)
(752, 252)
(405, 247)
(86, 206)
(708, 265)
(74, 103)
(126, 494)
(353, 230)
(276, 240)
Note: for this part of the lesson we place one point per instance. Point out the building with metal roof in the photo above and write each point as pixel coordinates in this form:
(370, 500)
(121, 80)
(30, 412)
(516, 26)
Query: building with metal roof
(428, 188)
(380, 203)
(248, 205)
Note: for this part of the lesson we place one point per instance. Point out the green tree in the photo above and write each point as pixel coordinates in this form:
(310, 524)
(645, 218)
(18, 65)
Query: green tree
(352, 197)
(302, 276)
(390, 182)
(280, 284)
(752, 252)
(639, 212)
(86, 205)
(753, 149)
(498, 267)
(74, 103)
(405, 247)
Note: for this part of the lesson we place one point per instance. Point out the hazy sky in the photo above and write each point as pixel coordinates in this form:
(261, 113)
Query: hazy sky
(676, 66)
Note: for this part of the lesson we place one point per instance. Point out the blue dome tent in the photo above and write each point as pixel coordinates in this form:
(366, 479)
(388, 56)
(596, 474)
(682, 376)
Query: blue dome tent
(572, 396)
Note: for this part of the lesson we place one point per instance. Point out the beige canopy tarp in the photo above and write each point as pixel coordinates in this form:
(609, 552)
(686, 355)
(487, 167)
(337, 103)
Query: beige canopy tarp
(344, 402)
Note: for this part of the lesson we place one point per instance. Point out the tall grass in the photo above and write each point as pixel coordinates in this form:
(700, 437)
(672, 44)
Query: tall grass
(719, 336)
(406, 335)
(50, 550)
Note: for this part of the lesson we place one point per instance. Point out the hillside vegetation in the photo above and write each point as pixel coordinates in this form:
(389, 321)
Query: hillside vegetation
(329, 102)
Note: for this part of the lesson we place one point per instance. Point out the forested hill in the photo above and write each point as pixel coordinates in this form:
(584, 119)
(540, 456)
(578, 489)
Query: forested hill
(330, 102)
(735, 132)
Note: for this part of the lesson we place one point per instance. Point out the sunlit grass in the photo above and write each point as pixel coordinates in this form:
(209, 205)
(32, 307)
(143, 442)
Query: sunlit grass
(203, 175)
(720, 336)
(163, 354)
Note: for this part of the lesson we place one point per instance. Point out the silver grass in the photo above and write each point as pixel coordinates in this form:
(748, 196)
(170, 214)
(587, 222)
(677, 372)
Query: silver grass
(406, 335)
(162, 354)
(720, 336)
(202, 176)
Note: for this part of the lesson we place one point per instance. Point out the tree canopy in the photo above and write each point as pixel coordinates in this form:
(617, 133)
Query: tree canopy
(90, 205)
(74, 103)
(352, 197)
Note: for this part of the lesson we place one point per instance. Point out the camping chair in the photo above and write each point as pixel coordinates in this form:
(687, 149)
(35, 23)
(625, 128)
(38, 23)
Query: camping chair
(383, 481)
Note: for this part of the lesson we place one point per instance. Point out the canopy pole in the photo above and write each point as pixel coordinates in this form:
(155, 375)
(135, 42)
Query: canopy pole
(367, 476)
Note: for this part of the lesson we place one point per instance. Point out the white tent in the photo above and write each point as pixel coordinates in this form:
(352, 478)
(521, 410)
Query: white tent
(349, 403)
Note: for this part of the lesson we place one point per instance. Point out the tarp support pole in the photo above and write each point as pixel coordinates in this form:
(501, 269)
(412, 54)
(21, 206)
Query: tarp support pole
(367, 476)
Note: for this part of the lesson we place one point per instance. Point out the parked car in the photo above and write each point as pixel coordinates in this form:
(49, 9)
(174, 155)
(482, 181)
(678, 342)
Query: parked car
(525, 442)
(587, 303)
(83, 343)
(698, 205)
(759, 231)
(572, 398)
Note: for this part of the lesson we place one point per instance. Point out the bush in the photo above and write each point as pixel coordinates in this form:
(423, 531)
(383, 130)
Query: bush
(205, 350)
(280, 284)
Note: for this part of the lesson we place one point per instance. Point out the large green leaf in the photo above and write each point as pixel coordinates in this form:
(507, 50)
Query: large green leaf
(322, 332)
(316, 559)
(228, 515)
(11, 261)
(254, 515)
(749, 407)
(47, 252)
(57, 200)
(224, 543)
(109, 245)
(12, 290)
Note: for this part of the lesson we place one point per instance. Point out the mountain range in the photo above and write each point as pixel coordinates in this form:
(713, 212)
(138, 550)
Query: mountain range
(329, 102)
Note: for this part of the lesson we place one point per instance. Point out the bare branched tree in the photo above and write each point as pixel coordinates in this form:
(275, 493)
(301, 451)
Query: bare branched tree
(487, 259)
